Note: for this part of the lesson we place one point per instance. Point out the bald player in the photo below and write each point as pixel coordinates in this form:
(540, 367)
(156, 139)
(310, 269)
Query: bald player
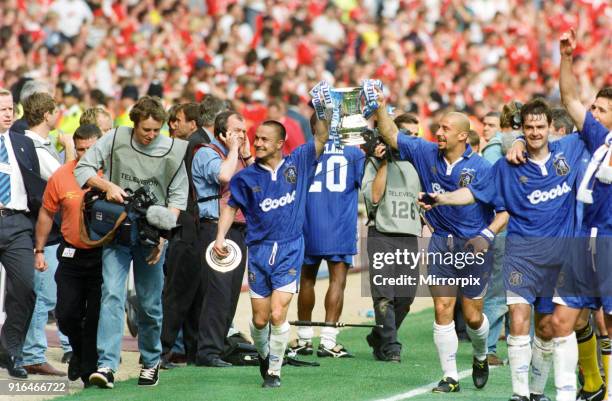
(462, 235)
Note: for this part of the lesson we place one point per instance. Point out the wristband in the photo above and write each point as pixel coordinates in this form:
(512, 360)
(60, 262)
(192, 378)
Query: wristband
(39, 251)
(487, 235)
(247, 158)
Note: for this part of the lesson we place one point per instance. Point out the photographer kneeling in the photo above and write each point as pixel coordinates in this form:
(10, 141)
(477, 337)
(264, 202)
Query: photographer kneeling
(390, 187)
(132, 159)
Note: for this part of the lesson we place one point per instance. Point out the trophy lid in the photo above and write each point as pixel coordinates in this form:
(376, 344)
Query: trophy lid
(228, 263)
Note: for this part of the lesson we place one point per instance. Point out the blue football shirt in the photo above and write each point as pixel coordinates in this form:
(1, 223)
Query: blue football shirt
(331, 208)
(541, 199)
(438, 176)
(274, 202)
(599, 214)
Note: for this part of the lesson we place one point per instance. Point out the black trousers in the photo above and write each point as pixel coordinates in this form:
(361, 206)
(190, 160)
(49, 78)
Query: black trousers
(79, 289)
(391, 304)
(18, 260)
(183, 294)
(221, 295)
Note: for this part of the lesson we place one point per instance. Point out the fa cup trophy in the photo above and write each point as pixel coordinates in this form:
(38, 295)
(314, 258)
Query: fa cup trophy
(346, 109)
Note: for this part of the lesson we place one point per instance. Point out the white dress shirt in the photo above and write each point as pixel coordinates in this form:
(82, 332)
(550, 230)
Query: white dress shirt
(19, 196)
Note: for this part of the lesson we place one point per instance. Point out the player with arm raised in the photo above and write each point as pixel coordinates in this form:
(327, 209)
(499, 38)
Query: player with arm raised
(445, 167)
(330, 234)
(272, 196)
(540, 196)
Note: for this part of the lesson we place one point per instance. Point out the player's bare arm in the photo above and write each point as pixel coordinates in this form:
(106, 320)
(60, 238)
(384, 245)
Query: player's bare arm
(567, 81)
(460, 197)
(225, 222)
(386, 127)
(483, 241)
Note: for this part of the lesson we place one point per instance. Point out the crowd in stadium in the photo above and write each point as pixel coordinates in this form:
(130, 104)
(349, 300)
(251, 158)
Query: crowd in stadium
(202, 133)
(470, 55)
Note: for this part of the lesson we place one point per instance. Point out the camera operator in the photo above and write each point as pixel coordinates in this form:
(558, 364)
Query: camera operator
(390, 188)
(132, 159)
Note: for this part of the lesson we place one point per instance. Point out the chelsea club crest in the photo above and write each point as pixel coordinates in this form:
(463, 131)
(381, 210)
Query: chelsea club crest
(466, 177)
(291, 174)
(561, 166)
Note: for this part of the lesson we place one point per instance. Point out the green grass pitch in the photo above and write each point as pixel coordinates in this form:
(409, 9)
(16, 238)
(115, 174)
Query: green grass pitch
(361, 378)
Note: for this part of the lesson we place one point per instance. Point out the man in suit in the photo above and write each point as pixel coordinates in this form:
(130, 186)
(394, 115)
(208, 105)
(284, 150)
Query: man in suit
(21, 189)
(182, 295)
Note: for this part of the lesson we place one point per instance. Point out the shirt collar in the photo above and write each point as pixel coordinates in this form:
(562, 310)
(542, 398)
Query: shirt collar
(218, 144)
(468, 151)
(35, 137)
(273, 173)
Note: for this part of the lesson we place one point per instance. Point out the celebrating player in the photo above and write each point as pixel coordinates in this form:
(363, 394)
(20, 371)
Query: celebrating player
(272, 196)
(447, 166)
(330, 233)
(540, 197)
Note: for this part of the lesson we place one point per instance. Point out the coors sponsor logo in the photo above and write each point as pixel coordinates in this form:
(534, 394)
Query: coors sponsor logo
(268, 204)
(538, 196)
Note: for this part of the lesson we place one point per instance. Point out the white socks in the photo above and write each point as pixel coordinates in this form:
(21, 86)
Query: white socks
(565, 356)
(279, 337)
(328, 337)
(541, 362)
(305, 333)
(447, 344)
(479, 339)
(260, 338)
(519, 356)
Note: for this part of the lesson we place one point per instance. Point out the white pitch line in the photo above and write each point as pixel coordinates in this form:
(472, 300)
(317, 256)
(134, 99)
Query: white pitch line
(426, 388)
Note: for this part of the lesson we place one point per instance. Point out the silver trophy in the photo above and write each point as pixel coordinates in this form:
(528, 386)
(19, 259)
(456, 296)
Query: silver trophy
(346, 110)
(352, 122)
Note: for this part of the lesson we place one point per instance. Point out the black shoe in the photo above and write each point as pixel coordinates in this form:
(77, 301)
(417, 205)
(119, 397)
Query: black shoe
(217, 363)
(74, 368)
(264, 365)
(516, 397)
(372, 341)
(149, 376)
(597, 395)
(538, 397)
(103, 378)
(393, 357)
(376, 351)
(271, 381)
(447, 385)
(8, 362)
(337, 352)
(300, 347)
(66, 357)
(480, 372)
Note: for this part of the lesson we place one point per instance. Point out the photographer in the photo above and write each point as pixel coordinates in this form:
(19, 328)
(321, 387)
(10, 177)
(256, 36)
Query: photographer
(132, 159)
(390, 188)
